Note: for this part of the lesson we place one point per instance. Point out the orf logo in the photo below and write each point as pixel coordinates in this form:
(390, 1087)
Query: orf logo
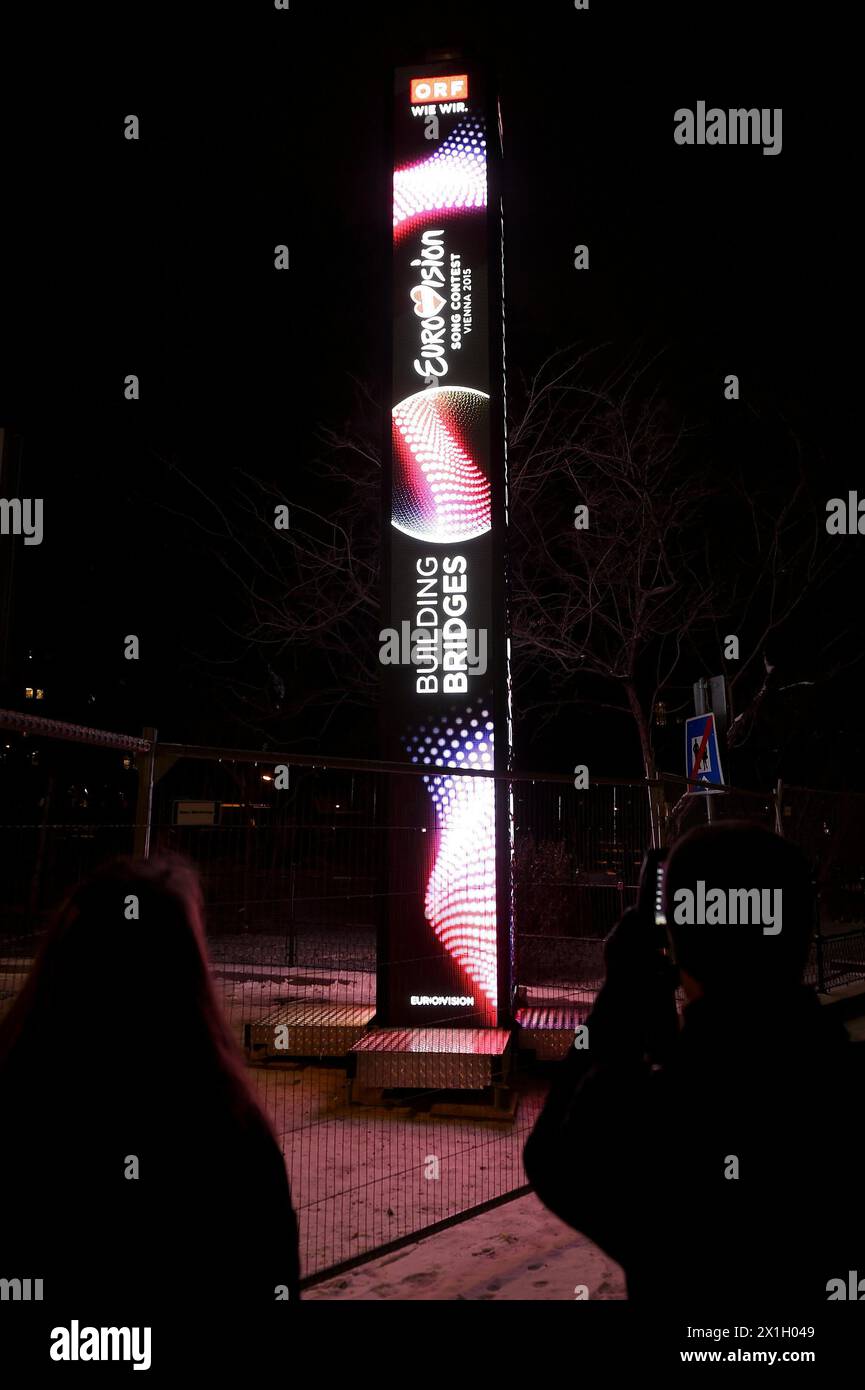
(427, 301)
(439, 89)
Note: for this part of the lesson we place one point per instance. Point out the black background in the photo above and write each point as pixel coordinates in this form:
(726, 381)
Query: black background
(261, 127)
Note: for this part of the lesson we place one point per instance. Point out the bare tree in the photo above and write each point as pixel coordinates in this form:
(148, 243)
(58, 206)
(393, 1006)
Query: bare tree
(632, 604)
(612, 591)
(309, 587)
(776, 560)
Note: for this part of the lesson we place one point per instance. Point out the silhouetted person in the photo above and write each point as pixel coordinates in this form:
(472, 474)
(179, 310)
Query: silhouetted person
(116, 1059)
(718, 1163)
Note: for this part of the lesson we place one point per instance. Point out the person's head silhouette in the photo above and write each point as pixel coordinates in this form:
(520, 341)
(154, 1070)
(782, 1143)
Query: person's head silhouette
(737, 959)
(121, 988)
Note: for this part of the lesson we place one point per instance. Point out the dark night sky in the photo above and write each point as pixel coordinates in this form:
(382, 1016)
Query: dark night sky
(262, 127)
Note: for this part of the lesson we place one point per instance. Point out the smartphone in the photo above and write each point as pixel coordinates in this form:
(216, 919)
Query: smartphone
(660, 915)
(650, 899)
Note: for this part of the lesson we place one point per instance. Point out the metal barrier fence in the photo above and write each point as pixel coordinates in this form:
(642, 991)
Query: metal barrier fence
(293, 892)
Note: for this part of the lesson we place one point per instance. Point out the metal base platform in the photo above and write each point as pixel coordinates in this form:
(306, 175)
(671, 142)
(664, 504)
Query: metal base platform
(439, 1059)
(306, 1030)
(548, 1029)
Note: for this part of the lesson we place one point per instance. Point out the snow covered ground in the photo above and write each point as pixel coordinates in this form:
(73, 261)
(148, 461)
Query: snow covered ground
(364, 1176)
(517, 1251)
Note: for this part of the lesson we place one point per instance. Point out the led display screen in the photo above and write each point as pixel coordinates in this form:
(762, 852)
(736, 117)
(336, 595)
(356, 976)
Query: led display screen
(445, 699)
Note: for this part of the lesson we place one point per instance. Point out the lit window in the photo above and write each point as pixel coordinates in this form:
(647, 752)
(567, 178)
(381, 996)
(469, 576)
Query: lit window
(28, 693)
(40, 694)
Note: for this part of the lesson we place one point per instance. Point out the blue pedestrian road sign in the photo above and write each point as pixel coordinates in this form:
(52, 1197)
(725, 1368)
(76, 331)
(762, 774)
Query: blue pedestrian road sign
(702, 759)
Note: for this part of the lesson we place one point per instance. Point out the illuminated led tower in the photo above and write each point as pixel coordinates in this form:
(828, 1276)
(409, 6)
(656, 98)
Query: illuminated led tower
(446, 946)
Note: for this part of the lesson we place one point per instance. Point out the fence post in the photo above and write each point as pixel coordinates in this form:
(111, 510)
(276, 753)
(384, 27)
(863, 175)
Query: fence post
(818, 935)
(821, 974)
(779, 808)
(144, 803)
(655, 793)
(292, 931)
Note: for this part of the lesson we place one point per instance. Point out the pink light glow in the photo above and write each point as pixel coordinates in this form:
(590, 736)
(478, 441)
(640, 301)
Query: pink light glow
(452, 179)
(460, 900)
(439, 492)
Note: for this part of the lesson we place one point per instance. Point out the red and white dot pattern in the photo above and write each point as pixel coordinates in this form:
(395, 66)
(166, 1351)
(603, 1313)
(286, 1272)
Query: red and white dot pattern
(460, 899)
(439, 492)
(452, 179)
